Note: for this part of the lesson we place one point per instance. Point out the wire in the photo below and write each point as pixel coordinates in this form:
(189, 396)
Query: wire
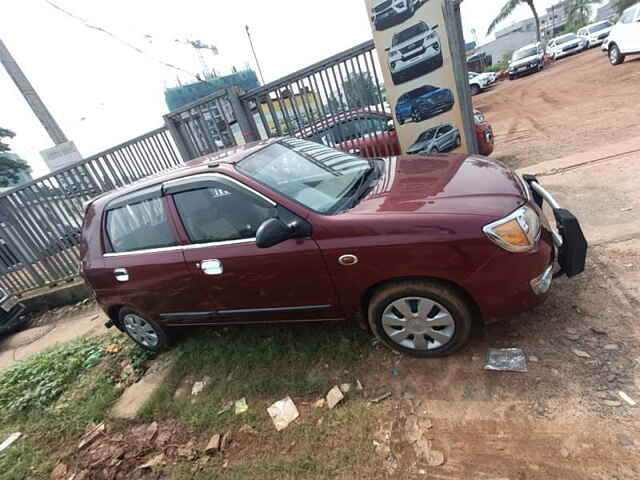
(124, 42)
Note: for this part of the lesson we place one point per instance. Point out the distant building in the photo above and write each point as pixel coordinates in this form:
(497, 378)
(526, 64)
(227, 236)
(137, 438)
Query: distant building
(607, 12)
(182, 95)
(519, 34)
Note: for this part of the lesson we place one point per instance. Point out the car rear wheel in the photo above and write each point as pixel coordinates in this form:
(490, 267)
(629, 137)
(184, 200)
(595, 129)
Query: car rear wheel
(420, 318)
(615, 57)
(415, 116)
(458, 141)
(144, 331)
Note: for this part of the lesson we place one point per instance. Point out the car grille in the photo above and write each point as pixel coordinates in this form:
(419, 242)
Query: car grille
(382, 6)
(413, 46)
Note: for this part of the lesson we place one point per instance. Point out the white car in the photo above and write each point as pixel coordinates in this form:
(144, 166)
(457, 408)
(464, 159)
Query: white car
(481, 81)
(624, 38)
(414, 51)
(565, 45)
(387, 13)
(596, 33)
(527, 59)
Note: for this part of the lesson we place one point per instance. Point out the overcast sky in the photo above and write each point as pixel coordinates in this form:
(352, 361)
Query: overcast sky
(102, 92)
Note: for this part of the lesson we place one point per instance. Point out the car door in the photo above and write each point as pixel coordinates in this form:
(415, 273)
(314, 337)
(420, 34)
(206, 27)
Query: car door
(235, 280)
(628, 31)
(143, 266)
(445, 141)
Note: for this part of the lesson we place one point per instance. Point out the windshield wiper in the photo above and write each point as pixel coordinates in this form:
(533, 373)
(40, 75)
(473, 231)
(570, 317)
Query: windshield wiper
(359, 188)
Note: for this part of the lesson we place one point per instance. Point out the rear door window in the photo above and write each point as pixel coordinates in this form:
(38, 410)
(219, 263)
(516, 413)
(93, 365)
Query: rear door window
(139, 226)
(221, 212)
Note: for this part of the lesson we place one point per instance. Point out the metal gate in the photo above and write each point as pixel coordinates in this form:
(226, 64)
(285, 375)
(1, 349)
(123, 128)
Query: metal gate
(40, 222)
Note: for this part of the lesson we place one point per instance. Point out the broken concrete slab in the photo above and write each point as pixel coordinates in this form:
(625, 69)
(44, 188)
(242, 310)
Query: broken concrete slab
(334, 397)
(283, 412)
(214, 444)
(136, 395)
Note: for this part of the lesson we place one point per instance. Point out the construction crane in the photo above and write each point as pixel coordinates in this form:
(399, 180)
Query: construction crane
(199, 46)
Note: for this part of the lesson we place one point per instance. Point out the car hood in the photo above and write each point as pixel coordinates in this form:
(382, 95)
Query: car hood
(568, 44)
(444, 184)
(524, 60)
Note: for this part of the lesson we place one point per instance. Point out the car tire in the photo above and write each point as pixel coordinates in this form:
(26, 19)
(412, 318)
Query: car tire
(396, 78)
(415, 116)
(615, 57)
(511, 77)
(475, 89)
(433, 150)
(458, 141)
(146, 332)
(444, 306)
(401, 121)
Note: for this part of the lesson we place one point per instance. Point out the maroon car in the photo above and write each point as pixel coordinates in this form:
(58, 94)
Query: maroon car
(288, 230)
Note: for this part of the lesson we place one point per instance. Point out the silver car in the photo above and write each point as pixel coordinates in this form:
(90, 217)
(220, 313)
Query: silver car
(442, 138)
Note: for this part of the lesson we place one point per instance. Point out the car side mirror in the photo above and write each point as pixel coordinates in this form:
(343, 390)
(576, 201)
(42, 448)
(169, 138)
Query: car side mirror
(387, 49)
(434, 27)
(273, 231)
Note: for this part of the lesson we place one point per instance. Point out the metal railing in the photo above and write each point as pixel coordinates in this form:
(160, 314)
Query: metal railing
(338, 101)
(40, 222)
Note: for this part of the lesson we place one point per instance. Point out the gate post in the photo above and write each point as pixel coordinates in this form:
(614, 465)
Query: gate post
(177, 138)
(243, 116)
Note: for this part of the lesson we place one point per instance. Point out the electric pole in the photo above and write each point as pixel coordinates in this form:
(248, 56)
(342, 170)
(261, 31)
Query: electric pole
(30, 95)
(254, 54)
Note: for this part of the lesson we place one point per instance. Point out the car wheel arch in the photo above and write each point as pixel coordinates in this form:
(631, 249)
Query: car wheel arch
(373, 289)
(113, 313)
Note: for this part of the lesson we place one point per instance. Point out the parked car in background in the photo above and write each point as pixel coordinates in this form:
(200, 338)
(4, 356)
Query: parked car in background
(565, 45)
(478, 82)
(12, 313)
(361, 132)
(290, 230)
(387, 13)
(484, 133)
(595, 33)
(423, 102)
(440, 139)
(624, 38)
(414, 51)
(527, 59)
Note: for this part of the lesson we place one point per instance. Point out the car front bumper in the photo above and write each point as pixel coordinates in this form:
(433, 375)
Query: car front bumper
(560, 251)
(523, 70)
(420, 55)
(390, 14)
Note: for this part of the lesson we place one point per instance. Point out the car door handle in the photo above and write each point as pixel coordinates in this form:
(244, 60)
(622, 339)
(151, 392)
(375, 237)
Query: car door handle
(121, 274)
(211, 267)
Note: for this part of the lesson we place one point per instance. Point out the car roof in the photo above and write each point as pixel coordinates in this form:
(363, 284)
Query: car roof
(596, 23)
(202, 164)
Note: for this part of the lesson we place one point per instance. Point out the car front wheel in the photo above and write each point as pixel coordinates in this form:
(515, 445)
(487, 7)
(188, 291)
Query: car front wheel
(615, 57)
(475, 89)
(144, 331)
(420, 318)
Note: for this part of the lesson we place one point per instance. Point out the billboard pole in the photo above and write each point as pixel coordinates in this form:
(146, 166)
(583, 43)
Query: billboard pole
(31, 96)
(459, 61)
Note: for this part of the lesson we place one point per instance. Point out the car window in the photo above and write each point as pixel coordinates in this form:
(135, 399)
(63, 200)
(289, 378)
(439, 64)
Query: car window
(221, 212)
(427, 135)
(445, 129)
(409, 33)
(524, 53)
(627, 17)
(139, 226)
(598, 27)
(312, 175)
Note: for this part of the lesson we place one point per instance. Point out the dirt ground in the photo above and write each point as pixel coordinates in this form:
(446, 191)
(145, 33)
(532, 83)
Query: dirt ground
(579, 103)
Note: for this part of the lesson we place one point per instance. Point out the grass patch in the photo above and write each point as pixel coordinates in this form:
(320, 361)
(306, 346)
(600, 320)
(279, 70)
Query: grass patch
(52, 397)
(262, 363)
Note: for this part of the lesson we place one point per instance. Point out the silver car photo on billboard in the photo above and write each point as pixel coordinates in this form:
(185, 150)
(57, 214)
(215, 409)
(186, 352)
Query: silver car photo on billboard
(440, 139)
(414, 51)
(387, 13)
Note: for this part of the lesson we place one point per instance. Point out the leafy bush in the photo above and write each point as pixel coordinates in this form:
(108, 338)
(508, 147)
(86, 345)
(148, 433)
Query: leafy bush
(39, 380)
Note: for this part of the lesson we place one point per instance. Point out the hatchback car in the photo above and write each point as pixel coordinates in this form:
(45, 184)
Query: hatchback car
(414, 51)
(440, 139)
(288, 230)
(423, 102)
(624, 38)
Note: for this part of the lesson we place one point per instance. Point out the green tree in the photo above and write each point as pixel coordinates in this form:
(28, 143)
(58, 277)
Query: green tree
(508, 8)
(10, 166)
(359, 90)
(622, 5)
(578, 14)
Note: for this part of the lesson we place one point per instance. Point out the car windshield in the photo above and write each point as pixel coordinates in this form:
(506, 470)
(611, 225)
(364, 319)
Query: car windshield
(598, 27)
(567, 38)
(409, 33)
(428, 135)
(524, 53)
(320, 178)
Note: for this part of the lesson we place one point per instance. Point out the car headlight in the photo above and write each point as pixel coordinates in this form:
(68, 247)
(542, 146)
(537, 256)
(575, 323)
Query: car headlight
(517, 232)
(431, 35)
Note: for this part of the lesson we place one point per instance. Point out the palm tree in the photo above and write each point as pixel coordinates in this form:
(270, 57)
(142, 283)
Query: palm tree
(508, 8)
(579, 13)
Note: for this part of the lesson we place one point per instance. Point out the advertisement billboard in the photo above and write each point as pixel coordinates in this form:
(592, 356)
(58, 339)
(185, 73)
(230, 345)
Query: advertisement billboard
(418, 45)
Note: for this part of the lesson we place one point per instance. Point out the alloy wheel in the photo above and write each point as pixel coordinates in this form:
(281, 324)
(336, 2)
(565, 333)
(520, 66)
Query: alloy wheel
(140, 330)
(418, 323)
